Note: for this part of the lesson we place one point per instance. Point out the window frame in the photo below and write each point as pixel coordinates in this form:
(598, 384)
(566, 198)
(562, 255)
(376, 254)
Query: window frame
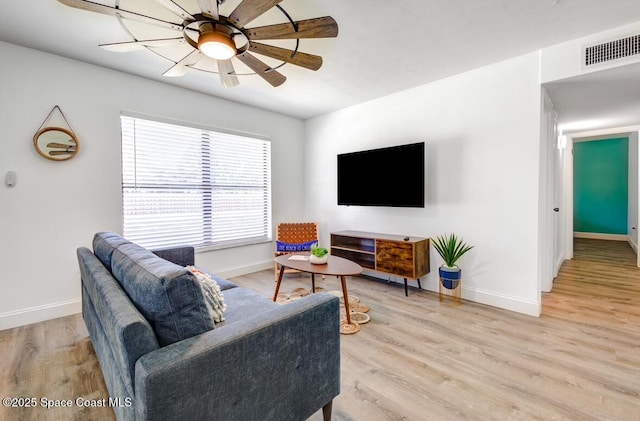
(207, 246)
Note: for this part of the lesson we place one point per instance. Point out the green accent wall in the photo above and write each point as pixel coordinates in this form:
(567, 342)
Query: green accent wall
(601, 186)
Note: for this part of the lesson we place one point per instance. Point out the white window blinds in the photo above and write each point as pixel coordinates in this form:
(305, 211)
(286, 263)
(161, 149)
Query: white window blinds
(184, 185)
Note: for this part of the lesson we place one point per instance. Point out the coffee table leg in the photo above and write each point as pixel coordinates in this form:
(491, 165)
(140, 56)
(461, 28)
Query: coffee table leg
(275, 295)
(313, 282)
(346, 298)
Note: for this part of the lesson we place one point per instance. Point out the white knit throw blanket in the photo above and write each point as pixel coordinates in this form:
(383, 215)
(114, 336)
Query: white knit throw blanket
(212, 294)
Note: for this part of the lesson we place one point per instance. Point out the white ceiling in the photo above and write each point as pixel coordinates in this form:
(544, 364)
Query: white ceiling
(383, 46)
(601, 100)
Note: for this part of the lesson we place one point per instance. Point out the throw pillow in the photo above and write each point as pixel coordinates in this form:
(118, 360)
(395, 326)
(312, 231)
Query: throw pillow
(280, 246)
(212, 294)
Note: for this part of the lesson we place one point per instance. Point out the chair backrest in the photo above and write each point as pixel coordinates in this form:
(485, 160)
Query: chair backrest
(299, 232)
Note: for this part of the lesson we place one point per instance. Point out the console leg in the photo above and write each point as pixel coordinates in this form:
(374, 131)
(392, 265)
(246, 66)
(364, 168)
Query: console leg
(406, 291)
(419, 286)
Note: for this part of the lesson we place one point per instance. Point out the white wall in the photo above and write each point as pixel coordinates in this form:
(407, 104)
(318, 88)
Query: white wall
(57, 206)
(482, 134)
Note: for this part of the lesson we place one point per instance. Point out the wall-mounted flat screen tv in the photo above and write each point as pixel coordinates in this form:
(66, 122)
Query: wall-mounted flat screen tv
(392, 176)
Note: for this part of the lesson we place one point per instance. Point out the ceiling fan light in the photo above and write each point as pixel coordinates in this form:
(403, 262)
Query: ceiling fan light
(216, 45)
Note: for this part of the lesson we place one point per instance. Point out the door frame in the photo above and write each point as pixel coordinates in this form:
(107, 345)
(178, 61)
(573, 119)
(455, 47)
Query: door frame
(549, 225)
(568, 178)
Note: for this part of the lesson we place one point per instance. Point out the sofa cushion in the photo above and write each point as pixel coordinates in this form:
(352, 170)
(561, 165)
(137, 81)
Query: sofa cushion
(224, 284)
(104, 244)
(168, 295)
(243, 303)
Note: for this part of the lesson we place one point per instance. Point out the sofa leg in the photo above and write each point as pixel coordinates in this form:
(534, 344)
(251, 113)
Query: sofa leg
(326, 411)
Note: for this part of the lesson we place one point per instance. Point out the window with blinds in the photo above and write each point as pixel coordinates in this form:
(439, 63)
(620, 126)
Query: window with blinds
(184, 185)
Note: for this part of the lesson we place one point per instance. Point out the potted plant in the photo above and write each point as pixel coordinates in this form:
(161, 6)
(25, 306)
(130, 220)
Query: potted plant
(319, 255)
(450, 248)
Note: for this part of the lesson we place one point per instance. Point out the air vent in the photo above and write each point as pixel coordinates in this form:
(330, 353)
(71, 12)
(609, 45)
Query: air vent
(612, 50)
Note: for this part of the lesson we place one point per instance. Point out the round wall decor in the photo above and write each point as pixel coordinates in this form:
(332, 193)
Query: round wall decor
(56, 143)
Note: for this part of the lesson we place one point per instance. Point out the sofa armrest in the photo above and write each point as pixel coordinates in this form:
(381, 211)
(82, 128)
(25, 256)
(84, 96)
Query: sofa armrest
(283, 364)
(181, 255)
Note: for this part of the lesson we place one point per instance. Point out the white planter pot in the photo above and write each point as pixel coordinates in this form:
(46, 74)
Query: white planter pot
(318, 260)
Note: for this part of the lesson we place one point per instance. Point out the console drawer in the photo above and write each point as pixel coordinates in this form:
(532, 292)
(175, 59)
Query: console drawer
(395, 258)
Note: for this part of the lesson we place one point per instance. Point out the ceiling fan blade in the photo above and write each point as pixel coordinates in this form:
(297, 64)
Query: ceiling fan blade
(248, 10)
(180, 68)
(308, 61)
(176, 9)
(267, 73)
(324, 27)
(209, 8)
(227, 76)
(124, 47)
(112, 11)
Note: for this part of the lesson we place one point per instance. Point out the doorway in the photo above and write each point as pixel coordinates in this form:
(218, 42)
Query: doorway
(630, 237)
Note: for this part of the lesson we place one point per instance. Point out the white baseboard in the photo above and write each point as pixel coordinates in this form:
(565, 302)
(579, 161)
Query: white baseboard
(600, 236)
(41, 313)
(633, 244)
(36, 314)
(244, 270)
(516, 304)
(558, 265)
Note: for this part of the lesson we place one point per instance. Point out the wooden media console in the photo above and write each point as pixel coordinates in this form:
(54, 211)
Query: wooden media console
(396, 255)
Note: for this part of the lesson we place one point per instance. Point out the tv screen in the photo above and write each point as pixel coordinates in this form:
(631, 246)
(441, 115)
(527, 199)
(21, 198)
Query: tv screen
(391, 176)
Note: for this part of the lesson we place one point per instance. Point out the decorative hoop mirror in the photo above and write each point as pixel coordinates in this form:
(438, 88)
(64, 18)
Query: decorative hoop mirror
(56, 143)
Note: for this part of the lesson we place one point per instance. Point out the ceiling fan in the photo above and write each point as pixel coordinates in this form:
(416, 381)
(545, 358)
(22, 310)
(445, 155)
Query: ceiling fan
(223, 38)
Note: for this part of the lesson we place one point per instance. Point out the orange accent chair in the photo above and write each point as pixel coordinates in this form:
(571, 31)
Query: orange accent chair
(294, 233)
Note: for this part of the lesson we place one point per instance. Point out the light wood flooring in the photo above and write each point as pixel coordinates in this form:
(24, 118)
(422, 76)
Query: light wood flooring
(617, 252)
(419, 359)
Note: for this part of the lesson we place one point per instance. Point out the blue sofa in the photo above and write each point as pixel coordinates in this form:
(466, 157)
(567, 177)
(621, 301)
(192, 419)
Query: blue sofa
(162, 359)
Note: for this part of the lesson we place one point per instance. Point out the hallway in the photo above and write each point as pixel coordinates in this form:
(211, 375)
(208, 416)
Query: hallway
(604, 251)
(599, 287)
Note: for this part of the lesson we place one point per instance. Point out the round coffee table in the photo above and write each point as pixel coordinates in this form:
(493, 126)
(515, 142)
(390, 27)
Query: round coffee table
(335, 266)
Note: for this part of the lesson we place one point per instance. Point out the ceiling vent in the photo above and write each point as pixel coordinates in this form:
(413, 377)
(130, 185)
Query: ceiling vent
(623, 48)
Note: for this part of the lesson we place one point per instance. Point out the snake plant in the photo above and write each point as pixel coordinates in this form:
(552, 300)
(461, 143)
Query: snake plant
(450, 248)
